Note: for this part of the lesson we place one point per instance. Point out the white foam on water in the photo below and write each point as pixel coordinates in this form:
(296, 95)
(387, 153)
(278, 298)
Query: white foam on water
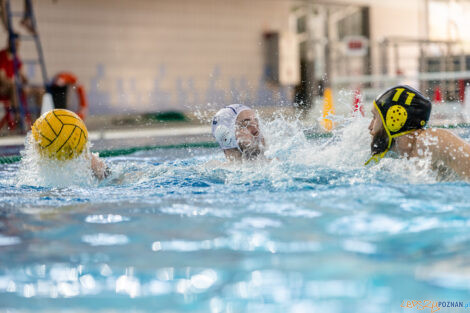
(35, 170)
(292, 154)
(8, 241)
(106, 218)
(103, 239)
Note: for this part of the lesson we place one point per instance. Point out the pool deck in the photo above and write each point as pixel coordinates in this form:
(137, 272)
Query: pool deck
(124, 131)
(124, 138)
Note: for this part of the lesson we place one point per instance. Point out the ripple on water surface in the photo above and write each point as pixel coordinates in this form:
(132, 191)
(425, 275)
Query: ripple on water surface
(311, 230)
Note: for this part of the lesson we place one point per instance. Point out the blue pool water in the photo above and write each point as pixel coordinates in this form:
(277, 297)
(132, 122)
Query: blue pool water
(175, 230)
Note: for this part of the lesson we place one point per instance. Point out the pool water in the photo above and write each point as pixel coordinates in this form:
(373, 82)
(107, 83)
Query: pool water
(176, 230)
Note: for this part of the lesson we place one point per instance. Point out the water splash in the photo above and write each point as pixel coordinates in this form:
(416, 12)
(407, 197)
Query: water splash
(210, 234)
(294, 161)
(336, 159)
(35, 170)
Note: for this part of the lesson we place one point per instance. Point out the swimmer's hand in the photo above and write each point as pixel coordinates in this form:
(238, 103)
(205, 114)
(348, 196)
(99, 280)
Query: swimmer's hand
(98, 166)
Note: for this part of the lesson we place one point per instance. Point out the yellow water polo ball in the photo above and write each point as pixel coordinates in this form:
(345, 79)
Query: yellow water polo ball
(396, 118)
(60, 134)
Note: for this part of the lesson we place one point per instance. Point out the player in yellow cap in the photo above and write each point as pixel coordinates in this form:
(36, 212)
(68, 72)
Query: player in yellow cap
(61, 135)
(400, 115)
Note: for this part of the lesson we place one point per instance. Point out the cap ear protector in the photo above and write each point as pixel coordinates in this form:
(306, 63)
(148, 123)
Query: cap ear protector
(402, 110)
(225, 138)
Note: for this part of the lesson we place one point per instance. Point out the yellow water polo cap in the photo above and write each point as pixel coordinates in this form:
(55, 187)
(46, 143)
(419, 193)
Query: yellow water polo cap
(402, 110)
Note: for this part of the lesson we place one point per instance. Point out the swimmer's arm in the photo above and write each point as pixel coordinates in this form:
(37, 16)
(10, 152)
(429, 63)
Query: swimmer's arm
(98, 166)
(452, 150)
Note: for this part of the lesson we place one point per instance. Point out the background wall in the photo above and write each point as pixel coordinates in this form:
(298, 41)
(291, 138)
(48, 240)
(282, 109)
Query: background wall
(157, 55)
(152, 55)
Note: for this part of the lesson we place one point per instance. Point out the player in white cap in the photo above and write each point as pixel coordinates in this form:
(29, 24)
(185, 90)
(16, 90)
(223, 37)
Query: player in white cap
(236, 129)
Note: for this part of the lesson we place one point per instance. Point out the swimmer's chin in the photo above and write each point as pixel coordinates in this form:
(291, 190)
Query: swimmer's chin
(245, 156)
(253, 150)
(252, 153)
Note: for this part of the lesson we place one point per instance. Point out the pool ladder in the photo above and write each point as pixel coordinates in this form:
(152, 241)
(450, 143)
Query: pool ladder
(25, 119)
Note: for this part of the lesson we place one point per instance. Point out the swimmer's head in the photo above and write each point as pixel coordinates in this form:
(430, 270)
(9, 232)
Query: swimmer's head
(236, 128)
(396, 112)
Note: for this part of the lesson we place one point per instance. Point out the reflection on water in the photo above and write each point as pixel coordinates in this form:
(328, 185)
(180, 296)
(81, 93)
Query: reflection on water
(311, 231)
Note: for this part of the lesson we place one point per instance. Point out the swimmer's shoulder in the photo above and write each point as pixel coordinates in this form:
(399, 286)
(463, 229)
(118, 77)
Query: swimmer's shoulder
(437, 138)
(436, 132)
(430, 132)
(447, 150)
(441, 137)
(429, 142)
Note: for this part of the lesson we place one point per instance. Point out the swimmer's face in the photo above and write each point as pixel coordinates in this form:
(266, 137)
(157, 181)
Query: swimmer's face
(248, 134)
(380, 138)
(375, 126)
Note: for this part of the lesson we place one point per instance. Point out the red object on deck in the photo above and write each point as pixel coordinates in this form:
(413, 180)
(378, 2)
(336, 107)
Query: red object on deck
(357, 103)
(9, 117)
(461, 90)
(437, 94)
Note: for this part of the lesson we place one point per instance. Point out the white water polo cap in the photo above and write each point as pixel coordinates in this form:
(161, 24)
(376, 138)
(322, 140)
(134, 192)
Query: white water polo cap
(223, 125)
